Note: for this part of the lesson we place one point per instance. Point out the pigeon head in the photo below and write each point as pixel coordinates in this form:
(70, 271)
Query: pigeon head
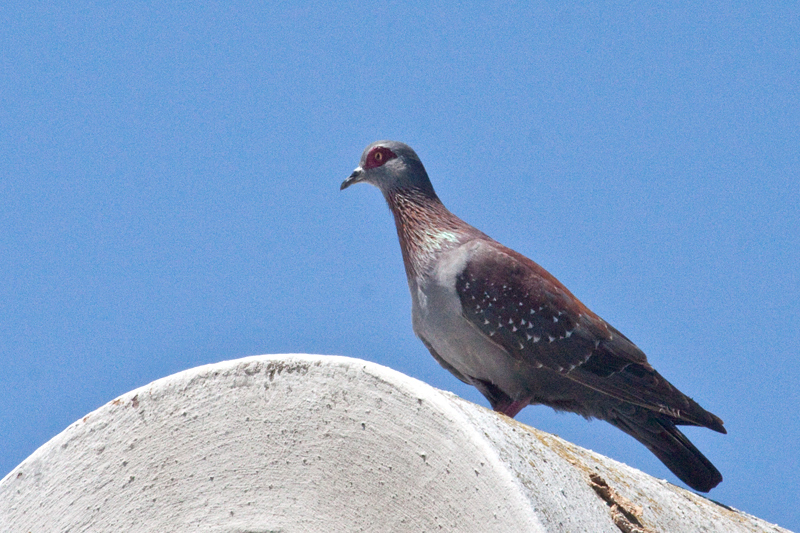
(392, 167)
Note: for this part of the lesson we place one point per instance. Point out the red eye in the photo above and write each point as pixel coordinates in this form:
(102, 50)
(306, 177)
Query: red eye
(378, 156)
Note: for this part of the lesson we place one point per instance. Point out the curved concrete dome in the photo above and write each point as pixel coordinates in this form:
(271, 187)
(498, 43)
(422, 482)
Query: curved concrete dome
(317, 443)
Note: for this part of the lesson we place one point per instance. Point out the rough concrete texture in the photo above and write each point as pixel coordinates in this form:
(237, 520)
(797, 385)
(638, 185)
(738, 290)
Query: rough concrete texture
(315, 443)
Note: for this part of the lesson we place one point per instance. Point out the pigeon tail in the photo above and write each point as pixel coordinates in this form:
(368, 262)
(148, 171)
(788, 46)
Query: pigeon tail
(672, 448)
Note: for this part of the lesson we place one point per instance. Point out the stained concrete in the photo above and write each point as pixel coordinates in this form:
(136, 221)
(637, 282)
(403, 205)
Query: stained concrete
(320, 443)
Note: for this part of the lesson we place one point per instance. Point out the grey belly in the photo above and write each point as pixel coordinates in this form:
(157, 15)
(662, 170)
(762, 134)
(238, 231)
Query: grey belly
(438, 321)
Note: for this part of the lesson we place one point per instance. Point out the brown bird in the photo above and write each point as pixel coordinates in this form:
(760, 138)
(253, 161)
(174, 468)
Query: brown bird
(499, 321)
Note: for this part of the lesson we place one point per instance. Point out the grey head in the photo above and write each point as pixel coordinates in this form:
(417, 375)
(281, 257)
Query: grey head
(392, 167)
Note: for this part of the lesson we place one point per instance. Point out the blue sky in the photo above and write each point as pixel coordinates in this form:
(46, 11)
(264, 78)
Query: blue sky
(169, 178)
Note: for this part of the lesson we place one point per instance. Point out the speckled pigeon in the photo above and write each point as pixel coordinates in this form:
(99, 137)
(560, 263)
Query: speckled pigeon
(500, 322)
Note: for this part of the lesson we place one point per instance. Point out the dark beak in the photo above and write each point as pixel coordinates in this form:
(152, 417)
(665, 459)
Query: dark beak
(355, 177)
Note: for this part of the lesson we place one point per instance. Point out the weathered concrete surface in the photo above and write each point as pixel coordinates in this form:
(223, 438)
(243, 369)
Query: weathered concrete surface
(316, 443)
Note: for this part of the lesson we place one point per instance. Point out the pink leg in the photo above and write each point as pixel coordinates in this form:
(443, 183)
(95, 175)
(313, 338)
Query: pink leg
(511, 409)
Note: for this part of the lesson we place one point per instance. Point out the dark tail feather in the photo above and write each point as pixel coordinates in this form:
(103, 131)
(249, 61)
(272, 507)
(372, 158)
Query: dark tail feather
(661, 437)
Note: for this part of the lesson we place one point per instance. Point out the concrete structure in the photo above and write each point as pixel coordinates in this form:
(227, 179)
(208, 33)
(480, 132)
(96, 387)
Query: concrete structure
(315, 443)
